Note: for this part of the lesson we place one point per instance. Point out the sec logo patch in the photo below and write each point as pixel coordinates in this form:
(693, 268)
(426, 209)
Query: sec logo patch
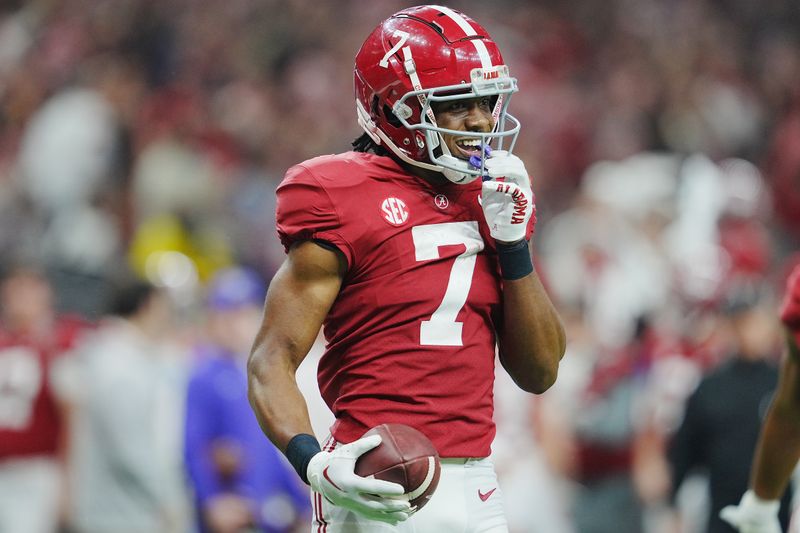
(395, 211)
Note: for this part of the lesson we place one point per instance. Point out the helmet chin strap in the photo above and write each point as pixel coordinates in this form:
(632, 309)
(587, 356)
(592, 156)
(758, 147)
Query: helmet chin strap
(462, 178)
(453, 168)
(454, 175)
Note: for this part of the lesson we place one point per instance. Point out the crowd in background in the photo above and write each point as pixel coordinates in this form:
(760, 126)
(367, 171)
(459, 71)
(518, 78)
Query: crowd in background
(663, 138)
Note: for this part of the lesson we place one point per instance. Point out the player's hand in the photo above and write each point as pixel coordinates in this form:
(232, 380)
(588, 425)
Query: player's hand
(331, 474)
(790, 310)
(501, 164)
(508, 205)
(753, 515)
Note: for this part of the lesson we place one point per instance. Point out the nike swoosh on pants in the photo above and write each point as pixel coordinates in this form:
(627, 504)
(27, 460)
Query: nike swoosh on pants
(485, 496)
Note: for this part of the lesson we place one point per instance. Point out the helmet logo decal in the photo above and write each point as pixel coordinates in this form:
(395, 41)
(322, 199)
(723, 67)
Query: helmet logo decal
(480, 75)
(441, 201)
(399, 44)
(395, 211)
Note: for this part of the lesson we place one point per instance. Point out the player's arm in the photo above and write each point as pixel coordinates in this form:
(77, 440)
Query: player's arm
(776, 455)
(778, 447)
(298, 300)
(530, 336)
(299, 297)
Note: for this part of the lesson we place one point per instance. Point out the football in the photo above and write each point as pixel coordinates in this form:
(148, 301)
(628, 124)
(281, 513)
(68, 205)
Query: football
(405, 456)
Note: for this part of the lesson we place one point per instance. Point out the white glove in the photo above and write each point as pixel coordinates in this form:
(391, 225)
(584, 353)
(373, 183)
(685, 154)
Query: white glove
(331, 474)
(753, 515)
(501, 164)
(508, 204)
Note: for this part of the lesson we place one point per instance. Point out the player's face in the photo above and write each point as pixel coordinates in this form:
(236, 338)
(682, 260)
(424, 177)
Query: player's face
(26, 299)
(469, 114)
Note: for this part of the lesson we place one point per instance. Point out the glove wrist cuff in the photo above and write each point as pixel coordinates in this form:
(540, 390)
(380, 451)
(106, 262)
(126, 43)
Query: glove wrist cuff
(299, 452)
(515, 260)
(763, 506)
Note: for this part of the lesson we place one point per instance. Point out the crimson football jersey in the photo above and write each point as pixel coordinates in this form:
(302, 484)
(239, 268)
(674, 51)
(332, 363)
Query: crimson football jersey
(30, 423)
(411, 335)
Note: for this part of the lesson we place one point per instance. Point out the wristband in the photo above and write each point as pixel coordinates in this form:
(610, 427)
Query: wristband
(515, 260)
(299, 452)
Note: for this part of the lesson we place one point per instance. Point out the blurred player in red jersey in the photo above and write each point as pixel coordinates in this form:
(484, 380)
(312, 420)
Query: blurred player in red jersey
(31, 339)
(779, 444)
(412, 253)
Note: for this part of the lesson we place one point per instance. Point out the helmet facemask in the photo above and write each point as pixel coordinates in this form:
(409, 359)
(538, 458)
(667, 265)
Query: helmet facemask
(505, 127)
(496, 83)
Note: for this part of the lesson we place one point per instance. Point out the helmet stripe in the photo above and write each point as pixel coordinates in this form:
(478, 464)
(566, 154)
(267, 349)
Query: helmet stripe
(483, 53)
(458, 19)
(469, 31)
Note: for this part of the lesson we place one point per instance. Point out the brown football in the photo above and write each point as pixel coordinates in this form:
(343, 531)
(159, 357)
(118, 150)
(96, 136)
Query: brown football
(405, 456)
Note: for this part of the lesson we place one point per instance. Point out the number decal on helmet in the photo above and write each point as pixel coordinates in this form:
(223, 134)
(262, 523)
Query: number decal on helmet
(399, 44)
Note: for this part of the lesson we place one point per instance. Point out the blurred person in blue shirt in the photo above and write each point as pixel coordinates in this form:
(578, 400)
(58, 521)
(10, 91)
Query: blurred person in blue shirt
(240, 481)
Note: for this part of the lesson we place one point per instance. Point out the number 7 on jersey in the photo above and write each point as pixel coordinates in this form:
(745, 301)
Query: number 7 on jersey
(442, 329)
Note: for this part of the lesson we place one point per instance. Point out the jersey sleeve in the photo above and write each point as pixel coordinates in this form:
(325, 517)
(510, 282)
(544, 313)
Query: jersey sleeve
(305, 212)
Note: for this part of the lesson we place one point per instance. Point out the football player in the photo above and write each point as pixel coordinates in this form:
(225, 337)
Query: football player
(411, 251)
(779, 444)
(34, 341)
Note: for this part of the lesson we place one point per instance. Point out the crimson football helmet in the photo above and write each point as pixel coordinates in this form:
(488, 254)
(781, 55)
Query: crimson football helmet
(429, 54)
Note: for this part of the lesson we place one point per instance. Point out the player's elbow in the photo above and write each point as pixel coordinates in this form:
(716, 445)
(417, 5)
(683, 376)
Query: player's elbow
(540, 381)
(535, 378)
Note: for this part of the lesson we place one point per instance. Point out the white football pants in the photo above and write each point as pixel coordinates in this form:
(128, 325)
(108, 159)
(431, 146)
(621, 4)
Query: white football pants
(467, 500)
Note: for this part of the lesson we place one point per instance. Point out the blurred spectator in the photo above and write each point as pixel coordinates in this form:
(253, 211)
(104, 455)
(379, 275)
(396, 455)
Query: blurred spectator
(533, 481)
(600, 431)
(240, 480)
(778, 447)
(783, 169)
(32, 429)
(125, 388)
(73, 166)
(723, 415)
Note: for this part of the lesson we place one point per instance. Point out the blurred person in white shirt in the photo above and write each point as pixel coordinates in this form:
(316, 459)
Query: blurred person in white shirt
(127, 407)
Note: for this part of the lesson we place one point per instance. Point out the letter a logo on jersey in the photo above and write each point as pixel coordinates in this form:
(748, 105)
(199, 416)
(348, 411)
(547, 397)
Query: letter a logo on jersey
(395, 211)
